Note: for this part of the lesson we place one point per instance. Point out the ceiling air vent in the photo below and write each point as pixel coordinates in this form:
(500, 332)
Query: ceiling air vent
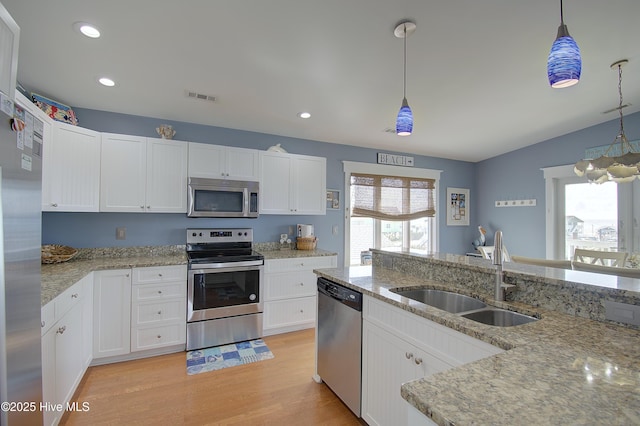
(201, 96)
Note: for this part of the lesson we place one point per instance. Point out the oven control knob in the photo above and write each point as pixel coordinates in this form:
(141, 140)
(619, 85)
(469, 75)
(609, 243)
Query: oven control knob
(252, 297)
(194, 234)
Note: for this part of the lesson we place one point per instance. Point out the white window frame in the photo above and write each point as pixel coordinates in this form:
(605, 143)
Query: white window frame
(351, 167)
(555, 179)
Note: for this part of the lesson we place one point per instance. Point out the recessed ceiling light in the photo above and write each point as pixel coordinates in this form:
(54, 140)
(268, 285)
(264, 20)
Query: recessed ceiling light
(304, 114)
(106, 82)
(87, 29)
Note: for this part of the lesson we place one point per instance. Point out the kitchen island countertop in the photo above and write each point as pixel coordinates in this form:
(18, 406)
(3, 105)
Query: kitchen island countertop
(561, 369)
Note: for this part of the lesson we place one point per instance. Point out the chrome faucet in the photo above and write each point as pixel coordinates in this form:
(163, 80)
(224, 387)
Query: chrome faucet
(496, 259)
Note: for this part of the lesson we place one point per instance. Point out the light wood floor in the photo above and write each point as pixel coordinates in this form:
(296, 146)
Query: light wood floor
(158, 391)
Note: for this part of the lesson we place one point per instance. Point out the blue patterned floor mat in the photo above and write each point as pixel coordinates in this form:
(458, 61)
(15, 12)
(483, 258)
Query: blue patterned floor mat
(210, 359)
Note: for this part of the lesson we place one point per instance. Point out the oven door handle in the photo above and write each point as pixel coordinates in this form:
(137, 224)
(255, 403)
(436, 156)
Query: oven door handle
(230, 265)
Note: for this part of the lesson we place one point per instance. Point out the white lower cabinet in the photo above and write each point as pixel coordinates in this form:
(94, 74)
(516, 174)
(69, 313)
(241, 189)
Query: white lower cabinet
(158, 307)
(139, 309)
(111, 313)
(290, 292)
(397, 347)
(66, 343)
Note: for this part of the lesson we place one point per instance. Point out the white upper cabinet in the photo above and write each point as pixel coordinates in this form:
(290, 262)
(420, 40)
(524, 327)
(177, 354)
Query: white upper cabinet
(143, 175)
(292, 184)
(166, 176)
(223, 162)
(124, 167)
(71, 168)
(9, 41)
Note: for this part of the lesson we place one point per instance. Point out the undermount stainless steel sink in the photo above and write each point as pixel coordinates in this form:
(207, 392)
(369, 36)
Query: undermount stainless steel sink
(445, 300)
(499, 317)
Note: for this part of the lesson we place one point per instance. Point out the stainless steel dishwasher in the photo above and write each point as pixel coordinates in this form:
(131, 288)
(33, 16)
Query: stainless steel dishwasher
(340, 341)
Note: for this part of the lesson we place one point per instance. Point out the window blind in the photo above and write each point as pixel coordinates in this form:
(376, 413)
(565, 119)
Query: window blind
(392, 197)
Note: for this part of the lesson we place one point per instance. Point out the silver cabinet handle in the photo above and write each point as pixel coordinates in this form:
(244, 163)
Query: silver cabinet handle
(42, 324)
(418, 361)
(142, 207)
(127, 275)
(159, 312)
(159, 291)
(54, 204)
(159, 275)
(159, 336)
(61, 330)
(74, 296)
(408, 355)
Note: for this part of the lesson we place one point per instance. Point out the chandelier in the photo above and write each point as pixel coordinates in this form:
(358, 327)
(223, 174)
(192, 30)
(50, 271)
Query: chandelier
(620, 162)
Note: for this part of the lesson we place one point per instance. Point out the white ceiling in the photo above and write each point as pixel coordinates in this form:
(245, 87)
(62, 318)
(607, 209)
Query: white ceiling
(476, 70)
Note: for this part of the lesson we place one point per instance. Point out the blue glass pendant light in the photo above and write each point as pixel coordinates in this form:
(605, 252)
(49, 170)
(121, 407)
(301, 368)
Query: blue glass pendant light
(404, 121)
(564, 63)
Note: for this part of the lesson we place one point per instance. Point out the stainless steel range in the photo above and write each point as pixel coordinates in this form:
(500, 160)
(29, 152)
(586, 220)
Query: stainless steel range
(224, 287)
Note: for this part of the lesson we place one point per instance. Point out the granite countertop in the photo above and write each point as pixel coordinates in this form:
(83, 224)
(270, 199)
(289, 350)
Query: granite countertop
(288, 254)
(56, 278)
(560, 369)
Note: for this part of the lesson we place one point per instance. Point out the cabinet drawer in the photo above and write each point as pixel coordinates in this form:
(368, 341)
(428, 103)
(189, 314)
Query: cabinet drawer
(282, 313)
(160, 291)
(68, 299)
(299, 264)
(149, 313)
(153, 337)
(47, 317)
(157, 274)
(289, 284)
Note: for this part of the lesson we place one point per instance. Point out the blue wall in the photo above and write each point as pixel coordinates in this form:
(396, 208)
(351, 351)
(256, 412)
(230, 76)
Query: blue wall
(517, 175)
(98, 229)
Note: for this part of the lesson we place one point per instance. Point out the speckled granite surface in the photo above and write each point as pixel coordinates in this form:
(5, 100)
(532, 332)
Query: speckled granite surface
(561, 369)
(287, 254)
(56, 278)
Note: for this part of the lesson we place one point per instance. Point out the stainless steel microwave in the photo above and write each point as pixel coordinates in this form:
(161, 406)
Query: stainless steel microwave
(223, 198)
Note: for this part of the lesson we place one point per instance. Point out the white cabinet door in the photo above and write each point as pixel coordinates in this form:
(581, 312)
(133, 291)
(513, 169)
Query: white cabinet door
(242, 164)
(275, 195)
(387, 362)
(309, 185)
(124, 171)
(111, 313)
(292, 184)
(223, 162)
(206, 161)
(87, 320)
(51, 417)
(71, 169)
(166, 180)
(68, 353)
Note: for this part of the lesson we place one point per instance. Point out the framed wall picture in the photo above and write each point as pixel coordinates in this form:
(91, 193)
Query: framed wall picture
(457, 207)
(333, 199)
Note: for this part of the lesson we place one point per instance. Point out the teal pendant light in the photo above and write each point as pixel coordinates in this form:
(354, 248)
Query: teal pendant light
(564, 64)
(404, 121)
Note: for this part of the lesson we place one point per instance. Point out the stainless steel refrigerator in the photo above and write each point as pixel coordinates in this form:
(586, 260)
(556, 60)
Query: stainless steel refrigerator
(20, 240)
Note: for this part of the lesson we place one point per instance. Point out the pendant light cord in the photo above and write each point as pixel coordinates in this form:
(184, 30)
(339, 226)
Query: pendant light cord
(561, 14)
(620, 104)
(404, 85)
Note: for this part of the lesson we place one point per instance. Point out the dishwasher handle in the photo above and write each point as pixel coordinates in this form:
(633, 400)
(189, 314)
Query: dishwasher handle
(340, 293)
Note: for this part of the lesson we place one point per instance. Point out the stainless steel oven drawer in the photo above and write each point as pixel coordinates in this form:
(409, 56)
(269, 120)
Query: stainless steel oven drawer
(222, 331)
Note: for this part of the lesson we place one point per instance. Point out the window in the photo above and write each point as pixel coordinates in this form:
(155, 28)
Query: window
(389, 208)
(587, 215)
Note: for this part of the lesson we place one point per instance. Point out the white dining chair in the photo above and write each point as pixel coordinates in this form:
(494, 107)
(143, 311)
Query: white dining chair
(609, 270)
(604, 258)
(487, 253)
